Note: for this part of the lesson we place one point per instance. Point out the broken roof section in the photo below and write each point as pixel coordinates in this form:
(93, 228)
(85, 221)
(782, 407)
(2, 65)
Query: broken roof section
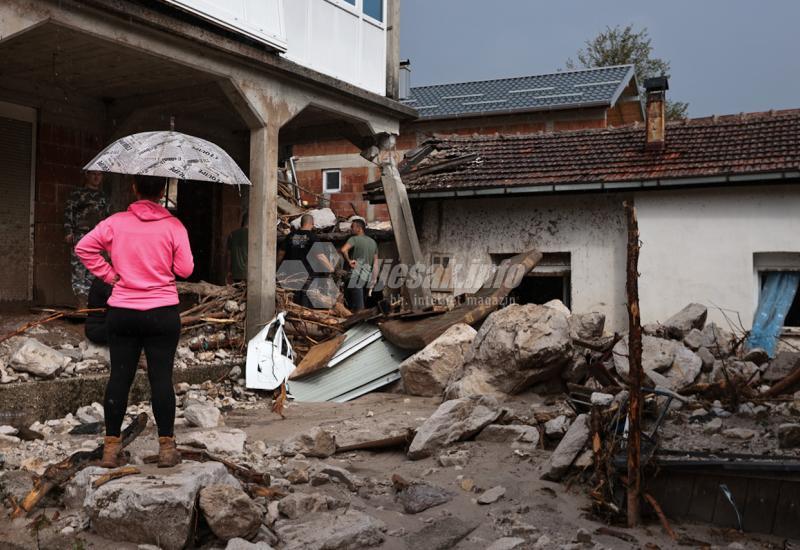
(754, 147)
(563, 90)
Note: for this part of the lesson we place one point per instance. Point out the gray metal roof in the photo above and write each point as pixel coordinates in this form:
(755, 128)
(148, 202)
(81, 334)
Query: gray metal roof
(563, 90)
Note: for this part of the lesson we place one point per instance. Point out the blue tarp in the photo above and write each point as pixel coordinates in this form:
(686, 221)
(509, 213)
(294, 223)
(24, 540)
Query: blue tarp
(777, 296)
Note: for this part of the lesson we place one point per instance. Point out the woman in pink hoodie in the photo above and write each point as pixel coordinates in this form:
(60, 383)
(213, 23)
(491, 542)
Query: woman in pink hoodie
(148, 247)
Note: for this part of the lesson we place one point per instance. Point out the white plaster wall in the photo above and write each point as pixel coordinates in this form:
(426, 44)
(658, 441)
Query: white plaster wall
(591, 228)
(698, 245)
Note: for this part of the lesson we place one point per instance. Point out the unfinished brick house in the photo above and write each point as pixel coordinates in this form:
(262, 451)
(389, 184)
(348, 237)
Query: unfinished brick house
(255, 77)
(569, 100)
(717, 201)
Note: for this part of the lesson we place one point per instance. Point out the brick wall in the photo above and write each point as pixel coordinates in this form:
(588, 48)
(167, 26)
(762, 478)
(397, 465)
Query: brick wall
(351, 195)
(61, 153)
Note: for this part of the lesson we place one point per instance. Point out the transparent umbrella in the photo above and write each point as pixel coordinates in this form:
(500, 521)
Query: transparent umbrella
(168, 154)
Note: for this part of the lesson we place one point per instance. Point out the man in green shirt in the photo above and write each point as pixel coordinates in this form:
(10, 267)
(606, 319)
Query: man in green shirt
(361, 254)
(237, 253)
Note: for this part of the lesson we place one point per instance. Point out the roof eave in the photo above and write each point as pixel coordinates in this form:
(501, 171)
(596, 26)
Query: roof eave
(549, 108)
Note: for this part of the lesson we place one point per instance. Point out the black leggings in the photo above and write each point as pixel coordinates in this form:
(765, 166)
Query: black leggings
(129, 331)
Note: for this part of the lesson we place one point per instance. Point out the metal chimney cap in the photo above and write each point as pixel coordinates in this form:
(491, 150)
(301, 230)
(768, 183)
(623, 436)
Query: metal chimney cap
(657, 84)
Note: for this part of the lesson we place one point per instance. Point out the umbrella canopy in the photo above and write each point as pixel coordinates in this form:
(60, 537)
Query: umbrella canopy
(168, 154)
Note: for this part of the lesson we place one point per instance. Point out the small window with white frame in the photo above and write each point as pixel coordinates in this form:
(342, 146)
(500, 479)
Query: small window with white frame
(331, 181)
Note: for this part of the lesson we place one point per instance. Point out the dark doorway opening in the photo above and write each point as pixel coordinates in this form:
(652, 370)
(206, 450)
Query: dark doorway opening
(541, 289)
(196, 210)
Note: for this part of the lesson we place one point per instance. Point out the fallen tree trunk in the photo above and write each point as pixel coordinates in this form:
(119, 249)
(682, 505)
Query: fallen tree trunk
(56, 475)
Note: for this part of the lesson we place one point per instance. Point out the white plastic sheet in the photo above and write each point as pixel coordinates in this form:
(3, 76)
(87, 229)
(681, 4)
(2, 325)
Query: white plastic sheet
(270, 359)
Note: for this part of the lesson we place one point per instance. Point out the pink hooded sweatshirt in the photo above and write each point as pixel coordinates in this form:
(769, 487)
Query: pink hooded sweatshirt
(148, 248)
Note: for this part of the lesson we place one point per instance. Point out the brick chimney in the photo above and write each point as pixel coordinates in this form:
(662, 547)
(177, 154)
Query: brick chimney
(656, 90)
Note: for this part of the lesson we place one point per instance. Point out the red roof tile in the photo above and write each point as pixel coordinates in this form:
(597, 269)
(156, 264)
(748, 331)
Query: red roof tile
(735, 145)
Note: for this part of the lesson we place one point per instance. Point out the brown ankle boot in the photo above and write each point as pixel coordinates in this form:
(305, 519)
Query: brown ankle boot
(112, 447)
(168, 454)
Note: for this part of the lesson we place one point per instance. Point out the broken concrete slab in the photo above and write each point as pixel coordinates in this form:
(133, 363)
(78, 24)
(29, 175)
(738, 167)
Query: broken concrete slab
(229, 511)
(490, 496)
(568, 449)
(427, 372)
(219, 440)
(347, 530)
(38, 359)
(202, 415)
(692, 316)
(454, 420)
(516, 347)
(153, 509)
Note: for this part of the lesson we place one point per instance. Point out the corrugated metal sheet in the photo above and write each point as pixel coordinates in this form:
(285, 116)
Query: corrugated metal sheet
(364, 363)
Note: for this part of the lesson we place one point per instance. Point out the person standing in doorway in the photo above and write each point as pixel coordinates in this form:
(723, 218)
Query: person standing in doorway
(85, 208)
(297, 246)
(148, 248)
(237, 254)
(361, 254)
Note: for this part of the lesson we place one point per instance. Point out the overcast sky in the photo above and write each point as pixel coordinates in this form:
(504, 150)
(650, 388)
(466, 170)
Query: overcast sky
(727, 56)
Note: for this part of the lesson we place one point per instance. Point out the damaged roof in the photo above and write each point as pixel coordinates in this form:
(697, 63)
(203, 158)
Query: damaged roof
(713, 150)
(563, 90)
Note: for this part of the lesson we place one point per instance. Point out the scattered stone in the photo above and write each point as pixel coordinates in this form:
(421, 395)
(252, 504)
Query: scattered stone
(739, 433)
(298, 477)
(182, 387)
(90, 414)
(241, 544)
(713, 426)
(298, 505)
(317, 443)
(586, 326)
(427, 372)
(16, 484)
(418, 497)
(658, 355)
(601, 399)
(719, 341)
(515, 348)
(783, 365)
(454, 420)
(789, 436)
(153, 509)
(508, 433)
(230, 512)
(220, 440)
(202, 416)
(556, 427)
(685, 369)
(492, 495)
(583, 536)
(707, 358)
(38, 359)
(507, 543)
(564, 455)
(694, 340)
(318, 479)
(467, 484)
(8, 430)
(543, 543)
(692, 316)
(341, 475)
(454, 458)
(90, 350)
(8, 441)
(440, 534)
(347, 530)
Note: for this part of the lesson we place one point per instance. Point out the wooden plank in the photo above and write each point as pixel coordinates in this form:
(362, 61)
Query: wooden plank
(761, 504)
(724, 514)
(415, 335)
(704, 499)
(787, 517)
(317, 357)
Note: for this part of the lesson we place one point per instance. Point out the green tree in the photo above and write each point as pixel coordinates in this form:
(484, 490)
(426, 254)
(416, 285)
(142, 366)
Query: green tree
(622, 46)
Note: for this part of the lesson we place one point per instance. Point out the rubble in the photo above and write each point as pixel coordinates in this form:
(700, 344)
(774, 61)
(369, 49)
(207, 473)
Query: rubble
(202, 416)
(509, 433)
(490, 496)
(343, 530)
(230, 513)
(691, 317)
(38, 359)
(219, 440)
(789, 436)
(515, 348)
(417, 497)
(441, 534)
(586, 326)
(427, 372)
(153, 509)
(317, 443)
(454, 420)
(568, 449)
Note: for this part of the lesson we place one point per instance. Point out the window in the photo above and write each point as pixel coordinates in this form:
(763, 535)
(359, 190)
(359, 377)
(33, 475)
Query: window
(331, 181)
(775, 274)
(549, 280)
(374, 8)
(441, 273)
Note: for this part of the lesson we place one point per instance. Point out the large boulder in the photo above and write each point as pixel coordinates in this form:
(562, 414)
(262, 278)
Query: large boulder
(658, 355)
(230, 513)
(454, 420)
(348, 530)
(517, 347)
(153, 509)
(568, 449)
(38, 359)
(427, 372)
(692, 316)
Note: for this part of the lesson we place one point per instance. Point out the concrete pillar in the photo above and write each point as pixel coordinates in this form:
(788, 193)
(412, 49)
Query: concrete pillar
(393, 49)
(263, 220)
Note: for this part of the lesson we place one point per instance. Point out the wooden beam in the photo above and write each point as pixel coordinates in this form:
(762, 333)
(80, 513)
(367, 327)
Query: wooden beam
(263, 218)
(635, 374)
(405, 233)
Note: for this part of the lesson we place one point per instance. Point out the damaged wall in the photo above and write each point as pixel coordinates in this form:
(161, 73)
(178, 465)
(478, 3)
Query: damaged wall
(698, 246)
(591, 229)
